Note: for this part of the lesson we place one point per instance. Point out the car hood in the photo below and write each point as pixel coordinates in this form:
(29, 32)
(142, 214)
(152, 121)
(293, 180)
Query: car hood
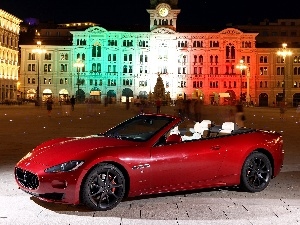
(64, 149)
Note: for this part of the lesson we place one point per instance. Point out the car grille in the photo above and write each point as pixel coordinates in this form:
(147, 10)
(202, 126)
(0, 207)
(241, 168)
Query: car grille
(27, 179)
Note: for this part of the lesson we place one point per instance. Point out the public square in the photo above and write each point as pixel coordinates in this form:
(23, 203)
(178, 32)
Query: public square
(25, 126)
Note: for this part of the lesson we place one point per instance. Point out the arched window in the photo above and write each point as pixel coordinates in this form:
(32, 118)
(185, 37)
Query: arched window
(124, 69)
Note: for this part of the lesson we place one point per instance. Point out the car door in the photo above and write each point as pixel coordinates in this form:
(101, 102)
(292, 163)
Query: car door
(186, 164)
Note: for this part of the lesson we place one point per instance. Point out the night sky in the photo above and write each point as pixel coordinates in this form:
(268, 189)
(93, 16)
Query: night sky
(125, 12)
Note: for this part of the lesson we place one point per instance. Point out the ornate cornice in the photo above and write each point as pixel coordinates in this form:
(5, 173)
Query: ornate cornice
(96, 29)
(163, 30)
(232, 31)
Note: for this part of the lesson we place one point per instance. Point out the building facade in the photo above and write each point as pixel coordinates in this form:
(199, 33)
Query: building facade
(119, 64)
(9, 52)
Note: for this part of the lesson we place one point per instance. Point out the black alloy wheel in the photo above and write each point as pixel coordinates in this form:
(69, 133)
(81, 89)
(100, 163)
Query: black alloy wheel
(103, 188)
(256, 172)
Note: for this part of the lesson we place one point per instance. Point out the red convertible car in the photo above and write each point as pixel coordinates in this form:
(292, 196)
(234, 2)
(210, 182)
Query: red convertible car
(150, 154)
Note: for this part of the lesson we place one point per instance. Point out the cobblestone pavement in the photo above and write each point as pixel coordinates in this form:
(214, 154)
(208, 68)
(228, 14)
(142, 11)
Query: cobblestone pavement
(25, 126)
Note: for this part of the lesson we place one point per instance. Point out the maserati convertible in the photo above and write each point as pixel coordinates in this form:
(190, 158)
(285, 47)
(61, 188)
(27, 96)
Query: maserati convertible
(150, 154)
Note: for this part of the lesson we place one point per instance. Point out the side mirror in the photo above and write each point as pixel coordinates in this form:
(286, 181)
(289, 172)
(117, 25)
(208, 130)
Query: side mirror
(173, 138)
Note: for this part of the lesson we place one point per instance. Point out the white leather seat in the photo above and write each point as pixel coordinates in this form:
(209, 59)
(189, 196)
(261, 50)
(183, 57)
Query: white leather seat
(228, 127)
(199, 128)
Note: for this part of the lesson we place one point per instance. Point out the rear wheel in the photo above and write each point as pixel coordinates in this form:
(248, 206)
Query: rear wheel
(103, 188)
(256, 172)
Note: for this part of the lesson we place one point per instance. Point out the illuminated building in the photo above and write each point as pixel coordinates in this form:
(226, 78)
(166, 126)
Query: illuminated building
(191, 65)
(9, 40)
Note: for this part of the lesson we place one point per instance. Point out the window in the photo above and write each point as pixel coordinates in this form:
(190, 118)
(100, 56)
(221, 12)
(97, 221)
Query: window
(280, 70)
(112, 43)
(31, 67)
(195, 70)
(111, 82)
(31, 56)
(143, 83)
(64, 56)
(47, 56)
(263, 59)
(274, 33)
(295, 84)
(179, 70)
(124, 69)
(182, 84)
(196, 84)
(127, 82)
(283, 34)
(63, 68)
(263, 70)
(214, 84)
(280, 59)
(296, 59)
(96, 51)
(47, 68)
(201, 59)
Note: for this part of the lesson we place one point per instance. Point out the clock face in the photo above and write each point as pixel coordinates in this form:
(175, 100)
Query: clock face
(163, 11)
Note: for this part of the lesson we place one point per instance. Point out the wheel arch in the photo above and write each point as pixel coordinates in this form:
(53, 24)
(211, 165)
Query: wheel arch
(119, 166)
(268, 154)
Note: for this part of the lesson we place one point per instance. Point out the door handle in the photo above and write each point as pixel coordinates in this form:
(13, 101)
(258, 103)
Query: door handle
(215, 147)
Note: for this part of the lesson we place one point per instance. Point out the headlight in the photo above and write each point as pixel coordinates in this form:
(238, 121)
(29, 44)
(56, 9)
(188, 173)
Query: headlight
(64, 167)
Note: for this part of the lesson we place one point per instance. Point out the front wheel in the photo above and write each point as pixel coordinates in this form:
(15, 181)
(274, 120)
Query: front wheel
(256, 172)
(103, 188)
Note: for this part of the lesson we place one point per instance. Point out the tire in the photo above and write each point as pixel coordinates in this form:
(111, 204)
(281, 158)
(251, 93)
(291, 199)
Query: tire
(256, 172)
(103, 188)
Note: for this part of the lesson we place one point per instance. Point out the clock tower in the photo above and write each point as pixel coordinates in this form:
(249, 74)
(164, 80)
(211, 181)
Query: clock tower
(163, 14)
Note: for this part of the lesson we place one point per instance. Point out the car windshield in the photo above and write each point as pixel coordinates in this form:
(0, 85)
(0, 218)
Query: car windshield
(140, 128)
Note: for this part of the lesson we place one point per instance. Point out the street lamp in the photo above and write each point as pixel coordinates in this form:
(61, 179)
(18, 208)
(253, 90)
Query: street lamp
(78, 64)
(283, 52)
(248, 86)
(242, 67)
(39, 51)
